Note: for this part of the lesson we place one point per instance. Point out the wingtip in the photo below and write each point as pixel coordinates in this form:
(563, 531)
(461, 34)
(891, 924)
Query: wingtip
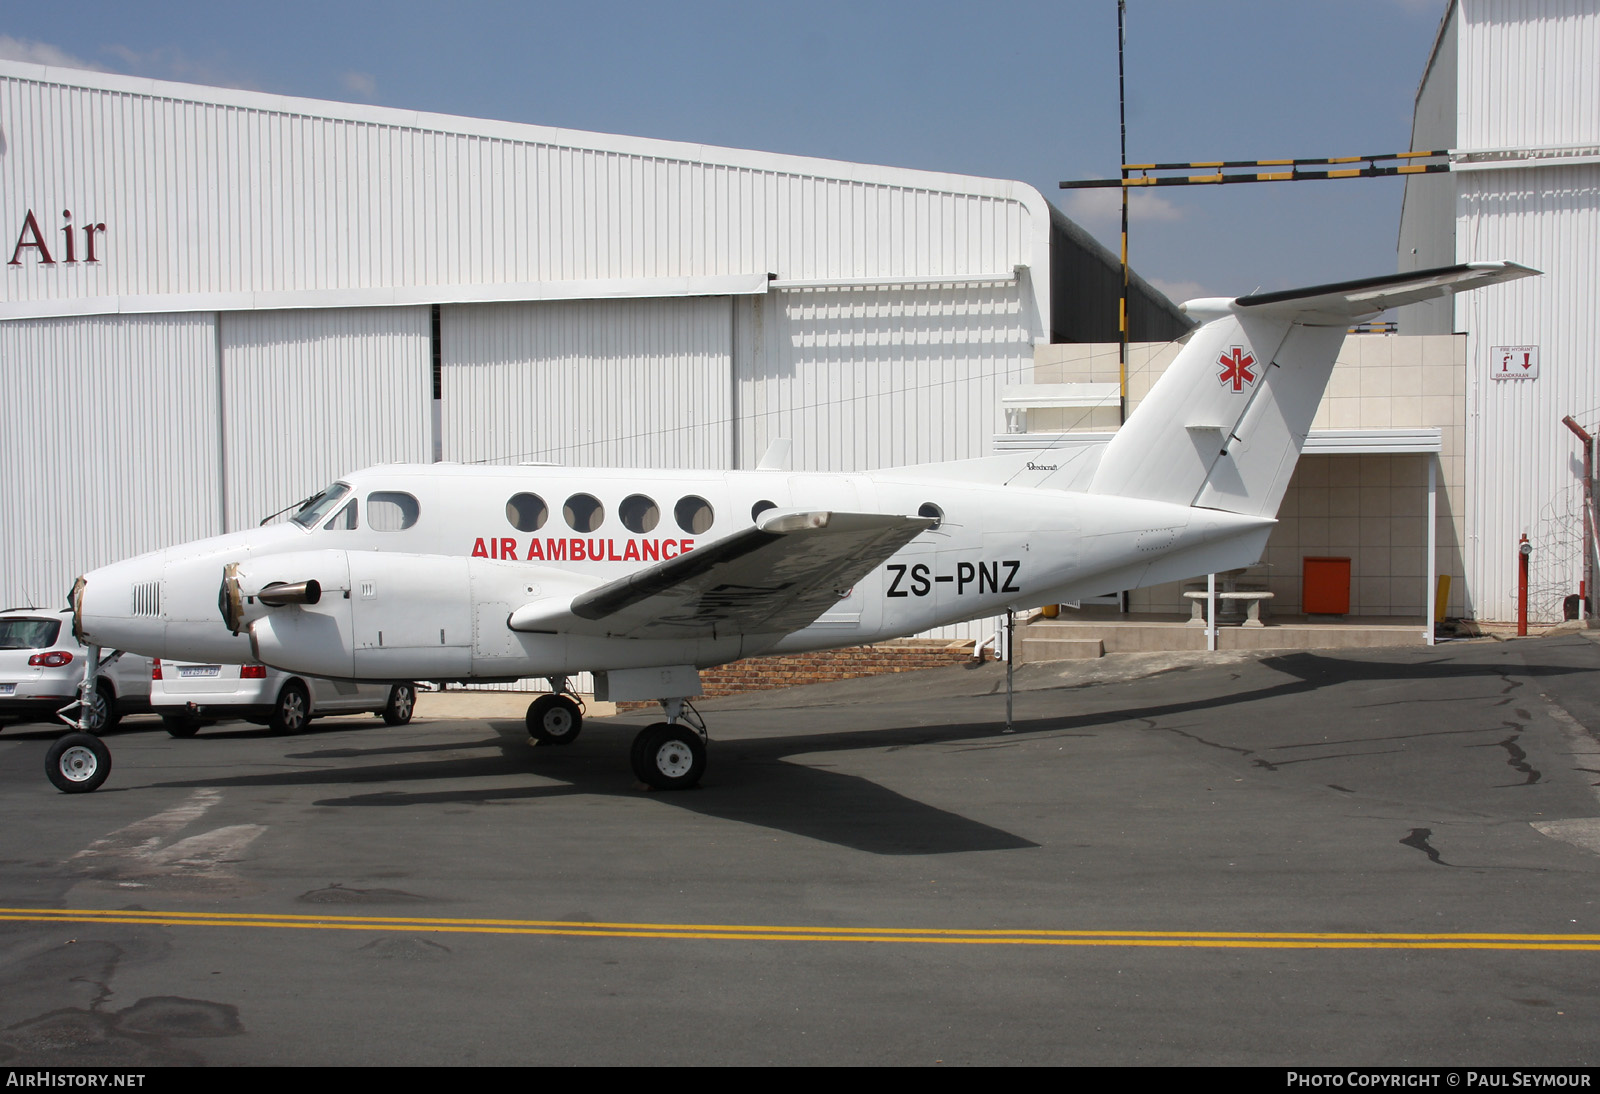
(784, 523)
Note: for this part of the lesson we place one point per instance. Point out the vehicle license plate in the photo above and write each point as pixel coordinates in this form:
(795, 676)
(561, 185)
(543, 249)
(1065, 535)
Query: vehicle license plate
(199, 670)
(8, 689)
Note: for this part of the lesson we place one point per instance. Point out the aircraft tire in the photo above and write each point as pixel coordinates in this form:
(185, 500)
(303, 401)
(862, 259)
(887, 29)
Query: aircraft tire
(401, 705)
(554, 720)
(668, 757)
(181, 725)
(78, 763)
(292, 712)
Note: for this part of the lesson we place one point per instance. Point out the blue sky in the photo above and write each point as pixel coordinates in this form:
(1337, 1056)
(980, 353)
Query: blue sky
(1019, 90)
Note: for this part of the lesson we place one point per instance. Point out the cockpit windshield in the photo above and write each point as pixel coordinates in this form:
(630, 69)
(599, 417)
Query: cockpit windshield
(319, 505)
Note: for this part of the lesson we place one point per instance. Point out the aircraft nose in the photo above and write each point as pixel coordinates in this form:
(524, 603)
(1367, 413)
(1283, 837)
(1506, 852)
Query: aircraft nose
(119, 606)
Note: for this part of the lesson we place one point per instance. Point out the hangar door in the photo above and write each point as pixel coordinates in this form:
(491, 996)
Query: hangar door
(110, 445)
(598, 383)
(309, 395)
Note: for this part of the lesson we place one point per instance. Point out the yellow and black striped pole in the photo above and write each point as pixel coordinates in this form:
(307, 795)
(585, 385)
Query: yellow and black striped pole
(1228, 171)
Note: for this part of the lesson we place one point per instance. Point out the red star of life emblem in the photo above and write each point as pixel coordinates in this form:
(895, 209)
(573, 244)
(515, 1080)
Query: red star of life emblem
(1236, 368)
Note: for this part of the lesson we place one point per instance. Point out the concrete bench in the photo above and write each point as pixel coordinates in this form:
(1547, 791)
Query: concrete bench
(1251, 599)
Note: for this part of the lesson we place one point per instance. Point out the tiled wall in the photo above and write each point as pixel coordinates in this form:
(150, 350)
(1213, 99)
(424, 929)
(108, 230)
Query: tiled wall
(1371, 509)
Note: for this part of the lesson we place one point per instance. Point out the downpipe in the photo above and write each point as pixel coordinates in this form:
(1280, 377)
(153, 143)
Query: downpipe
(1524, 551)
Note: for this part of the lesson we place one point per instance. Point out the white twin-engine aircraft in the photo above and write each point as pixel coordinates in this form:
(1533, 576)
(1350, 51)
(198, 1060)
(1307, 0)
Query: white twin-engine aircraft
(643, 576)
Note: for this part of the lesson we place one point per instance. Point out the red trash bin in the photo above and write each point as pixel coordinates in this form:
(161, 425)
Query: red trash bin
(1325, 586)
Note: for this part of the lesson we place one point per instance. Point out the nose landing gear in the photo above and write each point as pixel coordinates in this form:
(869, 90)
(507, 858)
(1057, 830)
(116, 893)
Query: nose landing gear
(79, 762)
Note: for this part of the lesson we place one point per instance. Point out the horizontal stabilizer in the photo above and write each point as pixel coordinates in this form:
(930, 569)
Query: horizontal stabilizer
(1349, 301)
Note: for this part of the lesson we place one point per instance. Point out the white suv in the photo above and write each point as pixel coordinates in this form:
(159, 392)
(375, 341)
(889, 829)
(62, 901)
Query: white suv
(190, 694)
(41, 665)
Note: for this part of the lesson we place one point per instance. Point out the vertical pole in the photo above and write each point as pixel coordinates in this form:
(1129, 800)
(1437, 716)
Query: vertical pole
(1122, 299)
(436, 382)
(1211, 612)
(1122, 123)
(1011, 619)
(1588, 528)
(1524, 549)
(1433, 553)
(734, 440)
(222, 427)
(1588, 513)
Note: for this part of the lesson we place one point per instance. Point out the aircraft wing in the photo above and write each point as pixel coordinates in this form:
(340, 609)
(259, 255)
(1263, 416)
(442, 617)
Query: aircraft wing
(774, 578)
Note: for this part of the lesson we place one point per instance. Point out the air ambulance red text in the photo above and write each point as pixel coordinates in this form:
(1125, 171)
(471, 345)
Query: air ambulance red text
(573, 549)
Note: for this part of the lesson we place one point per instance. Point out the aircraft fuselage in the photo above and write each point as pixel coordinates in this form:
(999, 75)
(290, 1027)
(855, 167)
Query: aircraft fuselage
(419, 567)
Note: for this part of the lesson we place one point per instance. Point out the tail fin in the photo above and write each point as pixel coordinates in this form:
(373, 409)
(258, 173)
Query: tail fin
(1223, 426)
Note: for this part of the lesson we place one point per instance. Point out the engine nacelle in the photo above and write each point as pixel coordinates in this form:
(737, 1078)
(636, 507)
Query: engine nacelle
(252, 588)
(363, 615)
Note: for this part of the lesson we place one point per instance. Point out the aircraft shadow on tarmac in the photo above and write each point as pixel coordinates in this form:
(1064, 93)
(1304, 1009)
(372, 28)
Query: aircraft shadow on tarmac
(753, 779)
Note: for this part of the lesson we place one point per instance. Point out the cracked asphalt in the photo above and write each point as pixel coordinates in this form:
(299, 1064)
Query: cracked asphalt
(1347, 857)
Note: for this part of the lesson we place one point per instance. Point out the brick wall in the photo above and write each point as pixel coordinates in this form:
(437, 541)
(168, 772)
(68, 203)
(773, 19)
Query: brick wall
(791, 670)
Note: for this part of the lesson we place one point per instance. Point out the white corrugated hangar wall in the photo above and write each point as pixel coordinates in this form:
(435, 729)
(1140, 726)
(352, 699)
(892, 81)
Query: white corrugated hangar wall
(1514, 87)
(218, 301)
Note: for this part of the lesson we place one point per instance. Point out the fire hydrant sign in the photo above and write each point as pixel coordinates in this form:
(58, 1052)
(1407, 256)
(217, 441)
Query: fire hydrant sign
(1514, 362)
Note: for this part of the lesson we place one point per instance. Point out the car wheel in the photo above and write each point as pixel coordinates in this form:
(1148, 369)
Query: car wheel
(78, 763)
(181, 725)
(293, 709)
(402, 702)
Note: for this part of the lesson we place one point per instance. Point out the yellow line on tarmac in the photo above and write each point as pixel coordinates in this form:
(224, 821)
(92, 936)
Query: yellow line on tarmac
(781, 933)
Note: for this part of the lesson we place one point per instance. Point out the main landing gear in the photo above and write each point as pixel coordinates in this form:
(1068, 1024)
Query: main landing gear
(556, 719)
(671, 755)
(668, 755)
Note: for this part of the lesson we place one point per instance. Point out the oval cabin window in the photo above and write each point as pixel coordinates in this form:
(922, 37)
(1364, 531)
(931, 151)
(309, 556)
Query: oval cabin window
(527, 512)
(584, 512)
(694, 514)
(639, 514)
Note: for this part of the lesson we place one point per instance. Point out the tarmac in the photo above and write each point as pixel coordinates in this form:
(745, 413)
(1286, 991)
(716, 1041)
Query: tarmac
(1353, 857)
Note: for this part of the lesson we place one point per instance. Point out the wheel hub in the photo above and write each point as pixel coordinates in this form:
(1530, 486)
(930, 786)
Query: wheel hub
(78, 764)
(674, 759)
